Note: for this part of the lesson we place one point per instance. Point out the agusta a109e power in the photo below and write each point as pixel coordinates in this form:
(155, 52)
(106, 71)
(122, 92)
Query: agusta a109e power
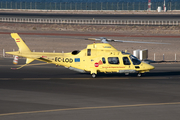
(97, 57)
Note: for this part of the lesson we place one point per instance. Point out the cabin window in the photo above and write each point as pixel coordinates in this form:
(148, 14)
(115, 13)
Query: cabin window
(104, 60)
(88, 52)
(126, 61)
(75, 52)
(113, 60)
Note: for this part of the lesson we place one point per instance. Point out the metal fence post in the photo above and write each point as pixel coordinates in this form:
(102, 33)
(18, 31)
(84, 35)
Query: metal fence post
(30, 5)
(81, 6)
(6, 4)
(91, 6)
(96, 5)
(112, 6)
(139, 5)
(107, 6)
(55, 5)
(13, 51)
(101, 5)
(16, 4)
(117, 6)
(60, 6)
(127, 5)
(25, 5)
(163, 57)
(170, 5)
(133, 5)
(71, 6)
(20, 5)
(3, 53)
(11, 5)
(122, 6)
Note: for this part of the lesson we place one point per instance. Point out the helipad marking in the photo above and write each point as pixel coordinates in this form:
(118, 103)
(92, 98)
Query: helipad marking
(89, 108)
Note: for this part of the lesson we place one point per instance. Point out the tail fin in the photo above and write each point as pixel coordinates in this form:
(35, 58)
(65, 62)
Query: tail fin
(20, 43)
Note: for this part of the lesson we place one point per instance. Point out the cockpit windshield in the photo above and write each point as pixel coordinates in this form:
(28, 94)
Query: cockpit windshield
(135, 60)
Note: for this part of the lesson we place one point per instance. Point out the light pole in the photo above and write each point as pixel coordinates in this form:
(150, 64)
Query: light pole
(149, 5)
(164, 6)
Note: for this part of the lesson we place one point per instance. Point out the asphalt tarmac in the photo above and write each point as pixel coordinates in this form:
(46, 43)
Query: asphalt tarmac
(43, 92)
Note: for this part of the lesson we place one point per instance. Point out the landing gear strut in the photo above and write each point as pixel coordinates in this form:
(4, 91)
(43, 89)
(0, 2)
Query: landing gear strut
(93, 75)
(139, 74)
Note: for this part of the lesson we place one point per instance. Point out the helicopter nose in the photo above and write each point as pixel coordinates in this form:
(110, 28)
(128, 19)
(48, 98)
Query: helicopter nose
(148, 66)
(151, 67)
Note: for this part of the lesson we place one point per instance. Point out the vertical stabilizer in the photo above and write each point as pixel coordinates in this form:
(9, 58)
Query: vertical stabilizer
(20, 43)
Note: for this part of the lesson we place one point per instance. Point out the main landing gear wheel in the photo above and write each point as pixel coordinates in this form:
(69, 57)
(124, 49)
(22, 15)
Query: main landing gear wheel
(139, 74)
(93, 75)
(126, 73)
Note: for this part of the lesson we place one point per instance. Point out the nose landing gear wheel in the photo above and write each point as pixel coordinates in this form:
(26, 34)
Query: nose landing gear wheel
(93, 75)
(139, 74)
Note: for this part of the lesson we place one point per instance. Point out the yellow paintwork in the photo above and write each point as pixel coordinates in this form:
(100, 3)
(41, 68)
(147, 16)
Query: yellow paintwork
(87, 60)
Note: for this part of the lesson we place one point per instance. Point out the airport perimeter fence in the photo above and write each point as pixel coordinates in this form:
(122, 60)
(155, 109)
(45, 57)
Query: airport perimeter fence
(88, 5)
(90, 21)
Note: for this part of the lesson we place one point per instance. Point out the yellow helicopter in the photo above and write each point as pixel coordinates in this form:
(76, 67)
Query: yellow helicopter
(97, 57)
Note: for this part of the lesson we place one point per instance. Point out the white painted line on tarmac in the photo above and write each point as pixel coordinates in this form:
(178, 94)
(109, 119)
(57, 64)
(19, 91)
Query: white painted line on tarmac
(36, 78)
(90, 108)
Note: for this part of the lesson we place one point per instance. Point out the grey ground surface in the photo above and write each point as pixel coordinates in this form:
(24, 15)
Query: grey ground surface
(43, 92)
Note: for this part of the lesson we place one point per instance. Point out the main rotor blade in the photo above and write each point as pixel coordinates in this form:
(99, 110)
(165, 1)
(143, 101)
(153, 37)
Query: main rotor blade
(104, 40)
(138, 42)
(93, 39)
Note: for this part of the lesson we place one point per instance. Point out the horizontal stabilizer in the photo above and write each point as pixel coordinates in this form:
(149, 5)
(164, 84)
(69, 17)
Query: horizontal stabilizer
(13, 53)
(44, 60)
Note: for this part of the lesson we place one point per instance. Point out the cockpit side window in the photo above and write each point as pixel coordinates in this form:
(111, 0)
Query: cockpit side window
(113, 60)
(135, 60)
(104, 60)
(126, 61)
